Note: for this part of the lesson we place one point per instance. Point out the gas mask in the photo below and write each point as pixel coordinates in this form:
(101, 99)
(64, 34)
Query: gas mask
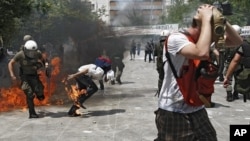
(218, 27)
(218, 31)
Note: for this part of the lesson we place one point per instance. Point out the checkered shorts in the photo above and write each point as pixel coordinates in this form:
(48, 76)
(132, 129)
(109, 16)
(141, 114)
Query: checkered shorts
(174, 126)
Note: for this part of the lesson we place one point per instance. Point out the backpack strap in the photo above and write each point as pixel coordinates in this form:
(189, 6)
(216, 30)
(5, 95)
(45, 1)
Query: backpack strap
(169, 60)
(168, 55)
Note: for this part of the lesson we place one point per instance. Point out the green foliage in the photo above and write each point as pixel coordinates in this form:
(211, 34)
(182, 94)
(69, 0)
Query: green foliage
(179, 12)
(240, 8)
(54, 22)
(241, 13)
(11, 12)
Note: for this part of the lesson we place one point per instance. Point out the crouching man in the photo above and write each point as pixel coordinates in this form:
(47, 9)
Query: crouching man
(85, 80)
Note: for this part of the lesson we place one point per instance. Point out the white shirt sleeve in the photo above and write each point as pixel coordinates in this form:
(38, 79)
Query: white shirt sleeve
(176, 42)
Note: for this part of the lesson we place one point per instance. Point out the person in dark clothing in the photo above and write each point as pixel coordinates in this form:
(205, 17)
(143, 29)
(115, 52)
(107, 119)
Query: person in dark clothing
(152, 46)
(132, 50)
(3, 62)
(159, 60)
(241, 58)
(117, 67)
(231, 90)
(148, 52)
(138, 47)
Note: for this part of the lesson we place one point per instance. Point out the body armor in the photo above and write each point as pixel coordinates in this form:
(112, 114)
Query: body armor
(29, 66)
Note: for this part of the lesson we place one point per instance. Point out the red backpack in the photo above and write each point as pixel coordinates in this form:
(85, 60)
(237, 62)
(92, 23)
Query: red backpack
(197, 80)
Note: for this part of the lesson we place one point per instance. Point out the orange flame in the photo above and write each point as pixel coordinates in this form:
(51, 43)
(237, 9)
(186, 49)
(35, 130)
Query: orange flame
(13, 97)
(72, 90)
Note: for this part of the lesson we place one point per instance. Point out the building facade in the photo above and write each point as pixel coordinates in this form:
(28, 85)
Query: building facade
(123, 12)
(97, 5)
(120, 12)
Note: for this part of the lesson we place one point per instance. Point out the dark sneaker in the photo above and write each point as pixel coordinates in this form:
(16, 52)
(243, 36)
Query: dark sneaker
(156, 139)
(74, 115)
(33, 116)
(40, 98)
(72, 110)
(101, 87)
(235, 95)
(119, 82)
(229, 96)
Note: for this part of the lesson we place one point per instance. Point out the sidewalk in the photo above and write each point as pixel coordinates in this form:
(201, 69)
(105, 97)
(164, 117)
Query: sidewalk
(119, 113)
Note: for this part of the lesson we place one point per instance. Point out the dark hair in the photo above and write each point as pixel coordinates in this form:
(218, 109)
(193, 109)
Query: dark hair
(194, 23)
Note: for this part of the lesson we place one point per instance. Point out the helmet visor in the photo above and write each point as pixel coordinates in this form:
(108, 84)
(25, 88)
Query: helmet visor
(30, 53)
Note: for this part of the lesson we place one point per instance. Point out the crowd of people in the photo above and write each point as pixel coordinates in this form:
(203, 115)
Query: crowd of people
(149, 50)
(182, 57)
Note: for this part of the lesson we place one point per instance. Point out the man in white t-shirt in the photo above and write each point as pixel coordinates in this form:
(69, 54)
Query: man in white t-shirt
(84, 78)
(175, 119)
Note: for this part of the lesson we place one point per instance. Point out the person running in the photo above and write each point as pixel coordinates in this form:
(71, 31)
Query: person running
(30, 60)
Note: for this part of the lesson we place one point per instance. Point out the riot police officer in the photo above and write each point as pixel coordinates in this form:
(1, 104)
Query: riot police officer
(30, 60)
(159, 60)
(117, 67)
(232, 93)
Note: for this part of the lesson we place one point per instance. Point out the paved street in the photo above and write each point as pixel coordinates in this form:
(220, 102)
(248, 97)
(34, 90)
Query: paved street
(119, 113)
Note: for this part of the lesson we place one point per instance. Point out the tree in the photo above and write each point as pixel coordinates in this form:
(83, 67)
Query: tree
(55, 22)
(72, 19)
(180, 11)
(11, 13)
(240, 9)
(241, 13)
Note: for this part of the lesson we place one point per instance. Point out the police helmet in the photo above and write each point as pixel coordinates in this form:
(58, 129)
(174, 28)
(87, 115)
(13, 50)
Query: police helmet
(164, 34)
(30, 45)
(30, 48)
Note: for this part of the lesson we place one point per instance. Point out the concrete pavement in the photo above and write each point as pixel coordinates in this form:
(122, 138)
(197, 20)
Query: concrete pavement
(119, 113)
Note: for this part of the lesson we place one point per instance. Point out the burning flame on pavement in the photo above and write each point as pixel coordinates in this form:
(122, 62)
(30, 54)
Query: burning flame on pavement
(13, 97)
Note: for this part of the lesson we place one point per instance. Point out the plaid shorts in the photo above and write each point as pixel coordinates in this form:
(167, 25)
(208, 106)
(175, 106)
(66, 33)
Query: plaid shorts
(174, 126)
